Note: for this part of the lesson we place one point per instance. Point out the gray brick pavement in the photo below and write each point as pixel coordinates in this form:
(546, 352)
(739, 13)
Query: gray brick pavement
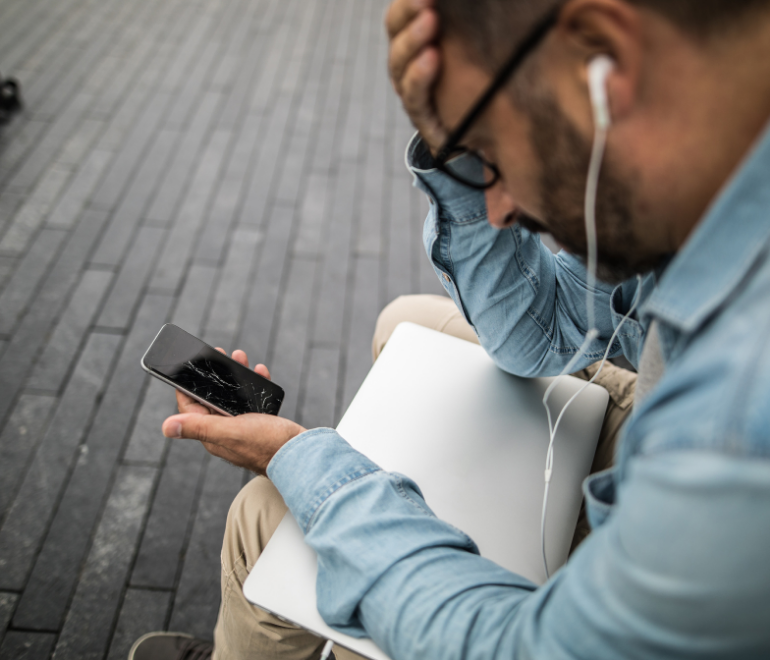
(235, 166)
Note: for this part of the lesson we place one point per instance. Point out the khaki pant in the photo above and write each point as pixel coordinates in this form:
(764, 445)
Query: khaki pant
(246, 632)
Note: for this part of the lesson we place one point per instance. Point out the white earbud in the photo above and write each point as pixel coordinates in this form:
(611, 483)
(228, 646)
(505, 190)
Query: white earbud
(599, 70)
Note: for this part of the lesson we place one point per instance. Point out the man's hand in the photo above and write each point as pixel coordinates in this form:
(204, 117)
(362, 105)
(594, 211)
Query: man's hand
(414, 64)
(248, 441)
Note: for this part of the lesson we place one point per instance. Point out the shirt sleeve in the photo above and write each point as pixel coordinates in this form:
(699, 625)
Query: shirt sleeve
(527, 305)
(662, 578)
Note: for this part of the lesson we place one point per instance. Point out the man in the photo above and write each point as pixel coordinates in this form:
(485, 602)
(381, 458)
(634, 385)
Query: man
(676, 564)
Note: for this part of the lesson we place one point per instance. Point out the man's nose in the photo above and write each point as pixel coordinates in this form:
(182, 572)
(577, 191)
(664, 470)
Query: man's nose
(501, 207)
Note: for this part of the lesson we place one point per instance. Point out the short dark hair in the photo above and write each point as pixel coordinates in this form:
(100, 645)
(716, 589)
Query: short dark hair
(490, 27)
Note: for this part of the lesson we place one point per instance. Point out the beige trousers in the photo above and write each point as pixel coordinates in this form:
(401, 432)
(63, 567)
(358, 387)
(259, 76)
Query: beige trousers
(246, 632)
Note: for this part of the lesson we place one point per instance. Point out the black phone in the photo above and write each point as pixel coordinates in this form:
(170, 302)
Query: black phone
(208, 376)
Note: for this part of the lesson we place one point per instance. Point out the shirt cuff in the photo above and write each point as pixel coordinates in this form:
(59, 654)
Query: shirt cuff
(456, 202)
(310, 468)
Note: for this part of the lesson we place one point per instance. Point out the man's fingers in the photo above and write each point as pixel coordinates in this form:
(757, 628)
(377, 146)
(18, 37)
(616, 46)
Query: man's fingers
(416, 95)
(241, 357)
(401, 12)
(186, 404)
(262, 370)
(408, 43)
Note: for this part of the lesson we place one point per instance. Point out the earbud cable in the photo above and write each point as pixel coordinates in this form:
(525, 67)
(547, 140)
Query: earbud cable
(592, 260)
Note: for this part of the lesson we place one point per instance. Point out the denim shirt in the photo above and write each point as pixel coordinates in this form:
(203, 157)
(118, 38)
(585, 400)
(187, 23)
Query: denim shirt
(678, 565)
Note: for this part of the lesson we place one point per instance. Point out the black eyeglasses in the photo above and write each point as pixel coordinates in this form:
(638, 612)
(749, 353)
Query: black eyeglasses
(479, 173)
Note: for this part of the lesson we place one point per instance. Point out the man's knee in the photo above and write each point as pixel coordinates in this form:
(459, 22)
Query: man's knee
(254, 515)
(430, 311)
(394, 313)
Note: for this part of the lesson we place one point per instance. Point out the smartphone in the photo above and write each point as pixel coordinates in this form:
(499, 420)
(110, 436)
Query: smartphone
(208, 376)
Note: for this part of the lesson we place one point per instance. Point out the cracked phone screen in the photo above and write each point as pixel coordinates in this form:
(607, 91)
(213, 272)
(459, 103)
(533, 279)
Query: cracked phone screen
(199, 369)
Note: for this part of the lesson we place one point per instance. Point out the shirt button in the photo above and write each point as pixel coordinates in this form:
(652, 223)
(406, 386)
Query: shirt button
(447, 278)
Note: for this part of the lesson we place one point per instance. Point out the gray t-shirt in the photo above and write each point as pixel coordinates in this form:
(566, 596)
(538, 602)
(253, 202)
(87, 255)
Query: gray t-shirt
(651, 365)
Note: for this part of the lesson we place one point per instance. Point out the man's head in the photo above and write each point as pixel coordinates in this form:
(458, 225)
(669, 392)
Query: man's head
(690, 92)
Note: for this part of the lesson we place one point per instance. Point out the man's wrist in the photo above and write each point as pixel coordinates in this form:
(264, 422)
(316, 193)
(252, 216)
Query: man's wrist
(311, 467)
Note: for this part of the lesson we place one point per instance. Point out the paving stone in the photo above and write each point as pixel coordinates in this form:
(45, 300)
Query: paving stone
(228, 303)
(18, 441)
(364, 309)
(66, 72)
(123, 224)
(327, 146)
(185, 99)
(351, 144)
(291, 337)
(262, 302)
(27, 645)
(76, 149)
(31, 270)
(130, 281)
(189, 49)
(7, 268)
(312, 214)
(184, 161)
(55, 573)
(194, 301)
(25, 526)
(238, 43)
(33, 329)
(269, 161)
(70, 331)
(34, 37)
(147, 444)
(319, 391)
(197, 597)
(252, 60)
(336, 263)
(9, 205)
(115, 180)
(263, 92)
(177, 251)
(163, 545)
(88, 626)
(398, 248)
(124, 93)
(23, 141)
(72, 202)
(370, 217)
(143, 611)
(46, 148)
(42, 59)
(31, 216)
(221, 215)
(7, 605)
(326, 141)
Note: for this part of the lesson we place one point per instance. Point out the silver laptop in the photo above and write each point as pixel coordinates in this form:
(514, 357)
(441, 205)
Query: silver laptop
(474, 438)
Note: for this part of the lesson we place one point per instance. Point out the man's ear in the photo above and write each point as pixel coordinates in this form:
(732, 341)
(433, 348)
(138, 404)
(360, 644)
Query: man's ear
(590, 28)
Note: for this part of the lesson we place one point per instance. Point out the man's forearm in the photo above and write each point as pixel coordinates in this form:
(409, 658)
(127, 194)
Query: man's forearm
(527, 305)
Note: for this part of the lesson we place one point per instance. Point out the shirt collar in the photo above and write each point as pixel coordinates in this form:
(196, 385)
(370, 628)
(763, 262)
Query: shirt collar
(721, 250)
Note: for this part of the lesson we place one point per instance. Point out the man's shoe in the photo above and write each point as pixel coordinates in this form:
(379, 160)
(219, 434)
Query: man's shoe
(170, 646)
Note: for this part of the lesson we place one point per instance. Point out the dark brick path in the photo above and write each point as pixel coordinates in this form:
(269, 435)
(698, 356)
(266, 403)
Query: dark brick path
(232, 166)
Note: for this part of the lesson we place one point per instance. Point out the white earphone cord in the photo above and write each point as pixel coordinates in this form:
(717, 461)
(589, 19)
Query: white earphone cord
(592, 185)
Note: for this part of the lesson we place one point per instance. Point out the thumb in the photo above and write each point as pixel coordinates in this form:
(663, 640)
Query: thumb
(196, 426)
